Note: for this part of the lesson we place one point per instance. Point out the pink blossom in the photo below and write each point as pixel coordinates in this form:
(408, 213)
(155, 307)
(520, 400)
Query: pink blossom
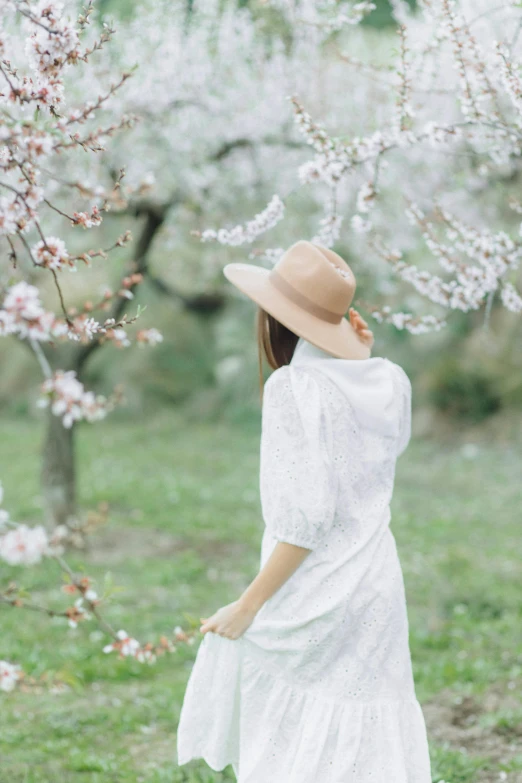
(84, 329)
(77, 613)
(119, 338)
(86, 219)
(149, 337)
(69, 400)
(24, 545)
(10, 674)
(129, 647)
(51, 254)
(52, 43)
(23, 315)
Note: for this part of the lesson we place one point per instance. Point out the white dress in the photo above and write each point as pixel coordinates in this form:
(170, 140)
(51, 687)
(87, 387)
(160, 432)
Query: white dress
(320, 688)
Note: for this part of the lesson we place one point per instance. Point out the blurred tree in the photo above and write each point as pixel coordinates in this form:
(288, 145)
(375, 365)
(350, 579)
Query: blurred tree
(211, 93)
(465, 393)
(448, 122)
(383, 16)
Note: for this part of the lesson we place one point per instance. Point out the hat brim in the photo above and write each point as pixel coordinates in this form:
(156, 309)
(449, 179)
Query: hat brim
(341, 340)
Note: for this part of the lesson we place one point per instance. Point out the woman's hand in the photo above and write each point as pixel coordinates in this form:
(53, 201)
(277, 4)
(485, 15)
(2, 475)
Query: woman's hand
(231, 621)
(361, 327)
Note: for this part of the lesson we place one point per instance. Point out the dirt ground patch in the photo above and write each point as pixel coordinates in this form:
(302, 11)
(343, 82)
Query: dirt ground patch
(111, 546)
(489, 726)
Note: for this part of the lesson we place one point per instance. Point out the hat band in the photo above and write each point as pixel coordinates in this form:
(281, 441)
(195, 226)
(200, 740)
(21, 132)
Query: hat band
(284, 287)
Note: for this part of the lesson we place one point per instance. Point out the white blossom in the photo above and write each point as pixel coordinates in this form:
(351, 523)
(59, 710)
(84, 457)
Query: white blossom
(10, 674)
(413, 324)
(330, 230)
(52, 254)
(120, 338)
(366, 197)
(127, 646)
(241, 235)
(511, 299)
(66, 396)
(88, 219)
(149, 337)
(84, 328)
(24, 545)
(360, 225)
(78, 613)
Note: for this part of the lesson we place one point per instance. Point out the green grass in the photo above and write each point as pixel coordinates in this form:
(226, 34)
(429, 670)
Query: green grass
(183, 536)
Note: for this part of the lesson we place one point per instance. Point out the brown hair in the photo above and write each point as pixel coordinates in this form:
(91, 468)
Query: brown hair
(275, 342)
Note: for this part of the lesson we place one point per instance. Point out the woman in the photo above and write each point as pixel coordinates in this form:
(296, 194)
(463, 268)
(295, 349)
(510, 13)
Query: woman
(307, 677)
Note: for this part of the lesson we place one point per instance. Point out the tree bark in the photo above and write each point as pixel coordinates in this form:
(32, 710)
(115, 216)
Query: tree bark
(58, 472)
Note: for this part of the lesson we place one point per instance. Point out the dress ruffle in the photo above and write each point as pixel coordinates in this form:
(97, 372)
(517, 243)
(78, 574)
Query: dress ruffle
(237, 712)
(209, 721)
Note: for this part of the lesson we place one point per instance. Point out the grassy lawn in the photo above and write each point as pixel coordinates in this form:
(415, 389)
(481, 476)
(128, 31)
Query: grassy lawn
(183, 536)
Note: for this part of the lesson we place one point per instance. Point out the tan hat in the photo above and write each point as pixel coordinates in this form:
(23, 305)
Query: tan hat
(309, 291)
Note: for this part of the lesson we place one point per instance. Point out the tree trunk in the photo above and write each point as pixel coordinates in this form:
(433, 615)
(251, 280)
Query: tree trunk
(58, 472)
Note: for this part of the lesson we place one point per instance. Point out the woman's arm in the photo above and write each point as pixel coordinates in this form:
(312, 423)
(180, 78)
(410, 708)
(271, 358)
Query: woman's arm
(233, 619)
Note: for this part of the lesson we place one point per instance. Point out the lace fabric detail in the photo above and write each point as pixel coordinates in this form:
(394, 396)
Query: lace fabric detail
(318, 465)
(298, 482)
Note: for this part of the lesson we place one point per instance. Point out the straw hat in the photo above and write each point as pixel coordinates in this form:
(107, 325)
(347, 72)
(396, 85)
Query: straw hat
(309, 290)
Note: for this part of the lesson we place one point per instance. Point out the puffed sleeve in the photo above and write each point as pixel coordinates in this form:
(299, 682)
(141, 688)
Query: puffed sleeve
(404, 392)
(297, 480)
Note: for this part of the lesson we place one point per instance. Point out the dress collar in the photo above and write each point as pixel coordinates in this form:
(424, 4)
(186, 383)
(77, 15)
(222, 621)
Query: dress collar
(367, 384)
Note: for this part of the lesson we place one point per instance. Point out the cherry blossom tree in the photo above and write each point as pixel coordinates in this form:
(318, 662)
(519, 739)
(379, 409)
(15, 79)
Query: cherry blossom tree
(208, 140)
(212, 138)
(429, 183)
(41, 132)
(220, 136)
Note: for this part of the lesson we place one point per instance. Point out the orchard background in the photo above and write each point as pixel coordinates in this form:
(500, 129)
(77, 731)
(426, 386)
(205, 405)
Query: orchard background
(142, 147)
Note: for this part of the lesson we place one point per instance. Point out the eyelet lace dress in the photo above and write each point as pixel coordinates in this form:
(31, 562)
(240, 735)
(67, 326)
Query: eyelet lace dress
(320, 688)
